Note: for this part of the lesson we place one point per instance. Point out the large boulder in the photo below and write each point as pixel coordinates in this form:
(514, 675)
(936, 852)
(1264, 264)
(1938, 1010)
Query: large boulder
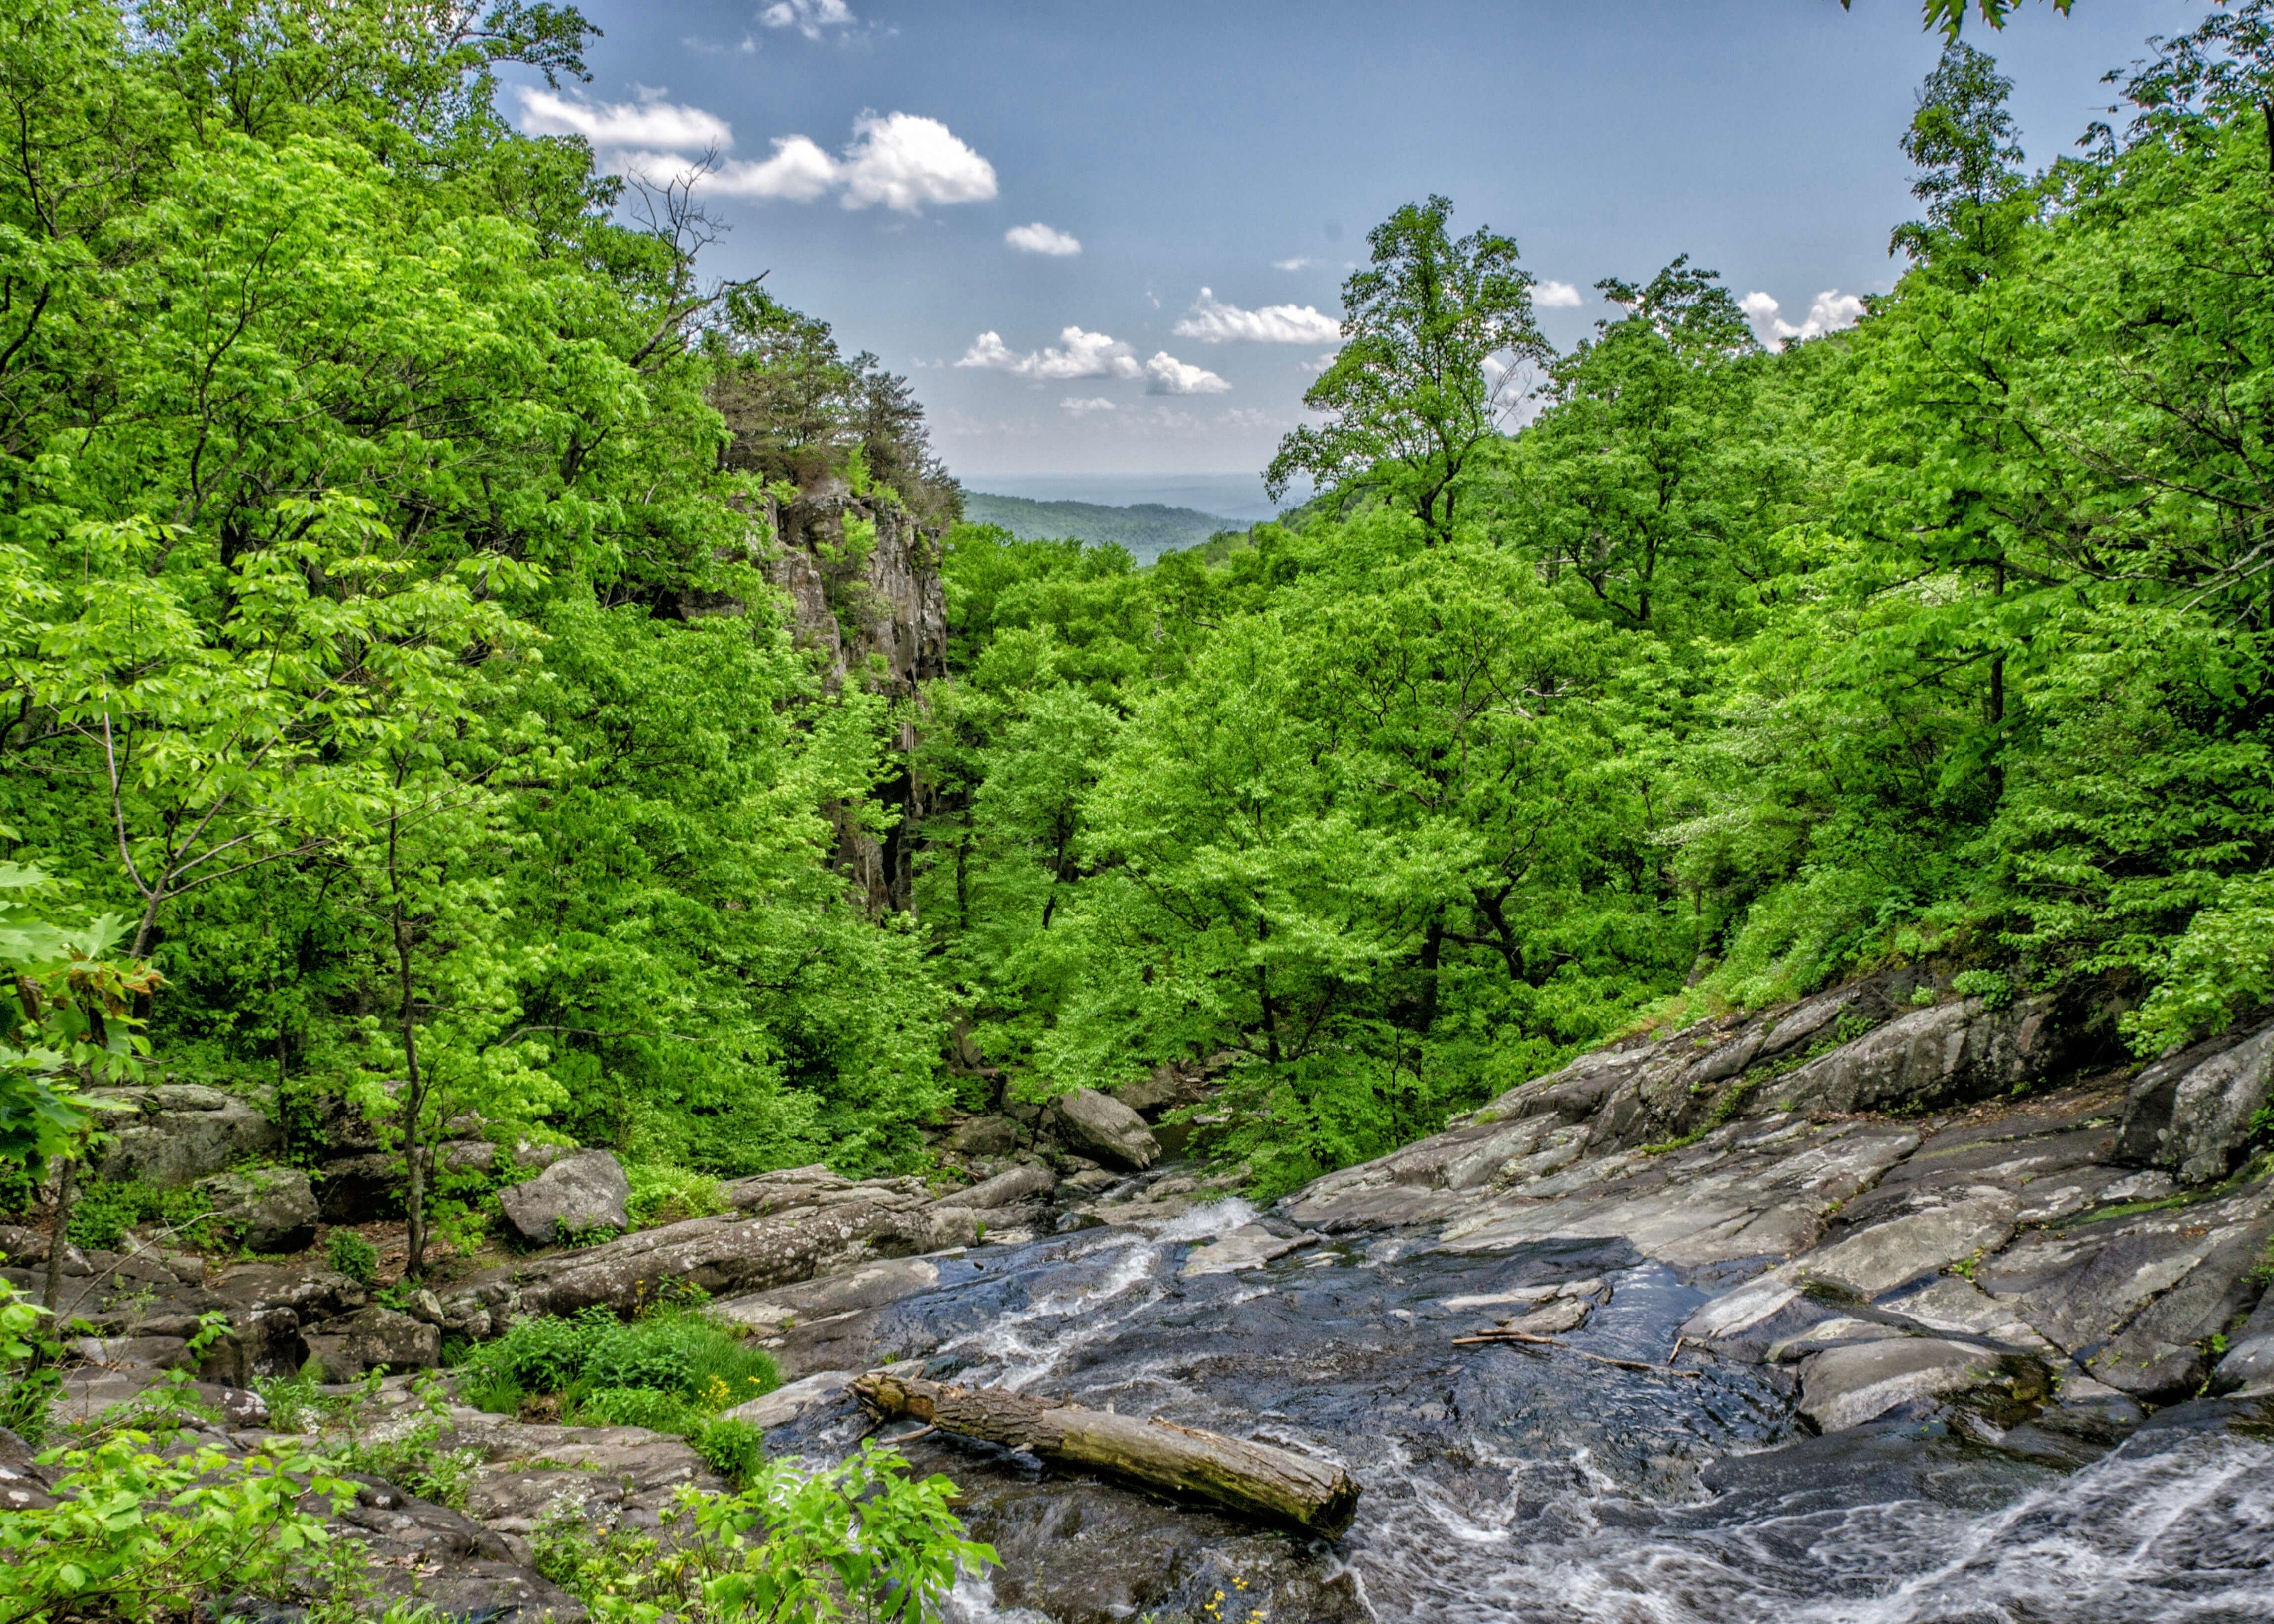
(1847, 1386)
(794, 1226)
(1100, 1126)
(574, 1196)
(270, 1209)
(1005, 1188)
(174, 1134)
(2191, 1112)
(372, 1338)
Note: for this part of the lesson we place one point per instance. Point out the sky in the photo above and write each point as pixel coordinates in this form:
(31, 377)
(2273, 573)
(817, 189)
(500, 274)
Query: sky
(1106, 241)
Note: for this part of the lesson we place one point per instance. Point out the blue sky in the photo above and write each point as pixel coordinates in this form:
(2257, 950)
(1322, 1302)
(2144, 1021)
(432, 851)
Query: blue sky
(1107, 239)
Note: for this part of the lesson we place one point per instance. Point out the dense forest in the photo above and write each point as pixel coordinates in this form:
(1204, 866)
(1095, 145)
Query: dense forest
(360, 458)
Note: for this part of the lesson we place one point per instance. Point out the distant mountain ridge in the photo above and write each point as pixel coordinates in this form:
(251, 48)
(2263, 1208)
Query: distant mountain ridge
(1147, 529)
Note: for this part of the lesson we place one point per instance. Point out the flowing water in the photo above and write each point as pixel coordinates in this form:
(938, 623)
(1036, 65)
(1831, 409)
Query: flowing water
(1504, 1483)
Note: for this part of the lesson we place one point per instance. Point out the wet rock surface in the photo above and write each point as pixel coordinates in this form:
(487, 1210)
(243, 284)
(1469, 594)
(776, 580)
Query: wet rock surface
(1946, 1342)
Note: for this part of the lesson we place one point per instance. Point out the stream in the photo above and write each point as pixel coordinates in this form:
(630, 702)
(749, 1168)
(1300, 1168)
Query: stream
(1507, 1483)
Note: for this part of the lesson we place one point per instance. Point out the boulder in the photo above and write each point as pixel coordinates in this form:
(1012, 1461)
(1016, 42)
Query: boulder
(23, 1247)
(374, 1338)
(178, 1134)
(1004, 1189)
(2248, 1361)
(788, 1403)
(2191, 1112)
(1095, 1124)
(1847, 1386)
(577, 1193)
(986, 1136)
(270, 1209)
(725, 1256)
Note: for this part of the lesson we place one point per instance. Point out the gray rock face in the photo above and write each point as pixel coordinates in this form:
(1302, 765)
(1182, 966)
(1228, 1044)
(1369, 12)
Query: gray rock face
(987, 1135)
(271, 1209)
(1249, 1247)
(1098, 1126)
(2248, 1361)
(794, 1226)
(178, 1134)
(1845, 1387)
(1015, 1184)
(788, 1403)
(1946, 1054)
(374, 1338)
(577, 1193)
(2191, 1112)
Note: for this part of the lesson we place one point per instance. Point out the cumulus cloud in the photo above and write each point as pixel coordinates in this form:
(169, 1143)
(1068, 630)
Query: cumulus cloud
(1164, 374)
(1295, 264)
(798, 172)
(1555, 296)
(1214, 322)
(1041, 239)
(651, 122)
(1082, 407)
(1829, 312)
(904, 161)
(809, 17)
(1077, 353)
(900, 159)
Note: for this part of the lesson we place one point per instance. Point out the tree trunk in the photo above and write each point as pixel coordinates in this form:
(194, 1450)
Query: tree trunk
(414, 1189)
(57, 1240)
(1248, 1480)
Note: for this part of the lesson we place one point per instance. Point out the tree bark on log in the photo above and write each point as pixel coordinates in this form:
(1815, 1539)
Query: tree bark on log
(1250, 1480)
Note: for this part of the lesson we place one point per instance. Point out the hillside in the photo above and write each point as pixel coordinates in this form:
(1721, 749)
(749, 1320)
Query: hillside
(1147, 529)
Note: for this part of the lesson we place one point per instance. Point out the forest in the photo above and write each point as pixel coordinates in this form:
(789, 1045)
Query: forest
(359, 457)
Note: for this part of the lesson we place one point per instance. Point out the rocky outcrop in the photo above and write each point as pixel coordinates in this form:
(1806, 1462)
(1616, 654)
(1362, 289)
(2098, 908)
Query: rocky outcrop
(269, 1209)
(1969, 1256)
(868, 603)
(372, 1338)
(174, 1134)
(2191, 1112)
(789, 1227)
(574, 1196)
(1101, 1126)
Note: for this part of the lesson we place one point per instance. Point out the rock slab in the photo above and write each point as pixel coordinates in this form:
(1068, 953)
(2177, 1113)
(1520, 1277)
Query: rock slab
(574, 1196)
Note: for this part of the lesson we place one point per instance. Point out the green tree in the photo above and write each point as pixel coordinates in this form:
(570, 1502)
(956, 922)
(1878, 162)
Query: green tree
(1963, 141)
(1408, 393)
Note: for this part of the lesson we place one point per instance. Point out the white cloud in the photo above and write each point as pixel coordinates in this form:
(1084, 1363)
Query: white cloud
(649, 122)
(1077, 355)
(1041, 239)
(1214, 322)
(1295, 264)
(808, 16)
(1829, 312)
(900, 160)
(1249, 418)
(1320, 364)
(1164, 374)
(904, 161)
(1556, 296)
(798, 172)
(1083, 408)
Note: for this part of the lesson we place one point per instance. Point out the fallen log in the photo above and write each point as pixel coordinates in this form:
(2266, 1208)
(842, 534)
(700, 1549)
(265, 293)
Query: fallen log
(1230, 1474)
(1527, 1338)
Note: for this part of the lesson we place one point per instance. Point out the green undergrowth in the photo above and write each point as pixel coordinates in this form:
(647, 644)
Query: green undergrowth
(662, 1194)
(673, 1370)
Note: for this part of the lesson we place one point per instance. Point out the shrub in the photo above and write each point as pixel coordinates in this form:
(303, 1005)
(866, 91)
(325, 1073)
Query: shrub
(735, 1450)
(658, 1411)
(862, 1540)
(104, 1210)
(662, 1194)
(353, 1256)
(136, 1535)
(1995, 991)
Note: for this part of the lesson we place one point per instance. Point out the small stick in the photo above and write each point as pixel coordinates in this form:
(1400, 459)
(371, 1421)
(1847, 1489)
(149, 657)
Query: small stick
(903, 1438)
(1549, 1342)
